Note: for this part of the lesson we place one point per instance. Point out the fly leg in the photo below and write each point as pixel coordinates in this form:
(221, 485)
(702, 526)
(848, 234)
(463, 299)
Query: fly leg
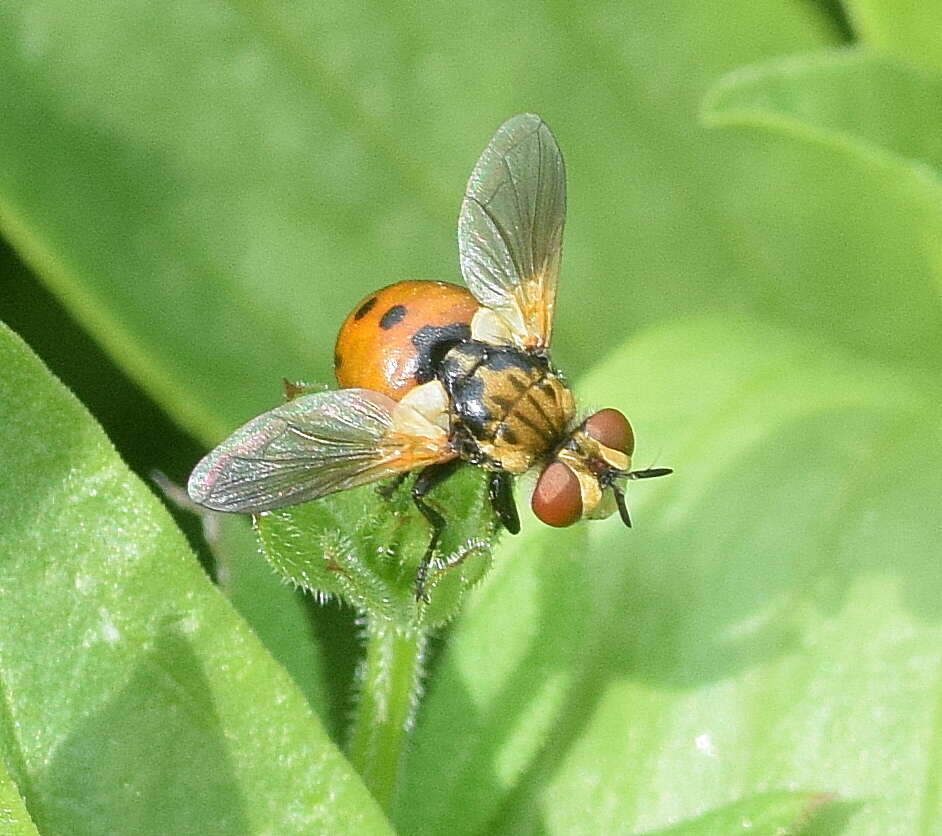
(500, 489)
(427, 479)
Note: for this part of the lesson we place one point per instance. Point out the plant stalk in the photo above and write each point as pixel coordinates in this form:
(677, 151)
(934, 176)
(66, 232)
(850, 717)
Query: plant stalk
(390, 683)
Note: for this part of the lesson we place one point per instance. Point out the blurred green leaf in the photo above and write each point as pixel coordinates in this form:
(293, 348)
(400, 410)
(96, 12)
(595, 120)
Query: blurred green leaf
(852, 250)
(14, 818)
(865, 229)
(135, 701)
(860, 102)
(210, 187)
(772, 622)
(911, 29)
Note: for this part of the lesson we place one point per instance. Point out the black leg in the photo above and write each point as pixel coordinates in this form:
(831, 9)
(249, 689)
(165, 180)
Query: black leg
(500, 488)
(622, 508)
(387, 489)
(427, 479)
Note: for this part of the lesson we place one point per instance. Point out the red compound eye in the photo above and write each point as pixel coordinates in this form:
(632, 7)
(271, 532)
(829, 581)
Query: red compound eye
(611, 428)
(557, 500)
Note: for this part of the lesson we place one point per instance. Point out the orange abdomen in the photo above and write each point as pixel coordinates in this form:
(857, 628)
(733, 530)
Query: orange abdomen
(394, 337)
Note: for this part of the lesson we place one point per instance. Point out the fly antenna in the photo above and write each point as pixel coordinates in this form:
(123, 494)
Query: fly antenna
(650, 473)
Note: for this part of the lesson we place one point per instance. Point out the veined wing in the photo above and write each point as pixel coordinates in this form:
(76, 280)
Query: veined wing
(510, 233)
(315, 445)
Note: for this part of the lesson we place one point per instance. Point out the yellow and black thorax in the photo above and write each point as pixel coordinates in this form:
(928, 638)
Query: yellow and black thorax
(510, 408)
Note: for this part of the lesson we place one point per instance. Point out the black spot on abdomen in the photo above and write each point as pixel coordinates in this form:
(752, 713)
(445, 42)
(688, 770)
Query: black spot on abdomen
(392, 317)
(365, 308)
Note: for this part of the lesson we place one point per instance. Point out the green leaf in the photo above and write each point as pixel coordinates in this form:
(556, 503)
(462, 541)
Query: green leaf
(910, 29)
(210, 187)
(771, 622)
(276, 611)
(14, 818)
(134, 699)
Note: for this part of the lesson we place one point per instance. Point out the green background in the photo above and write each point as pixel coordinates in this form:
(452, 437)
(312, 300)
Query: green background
(193, 195)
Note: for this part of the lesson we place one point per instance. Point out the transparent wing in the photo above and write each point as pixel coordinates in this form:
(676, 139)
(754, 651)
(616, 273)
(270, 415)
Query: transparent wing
(312, 446)
(510, 231)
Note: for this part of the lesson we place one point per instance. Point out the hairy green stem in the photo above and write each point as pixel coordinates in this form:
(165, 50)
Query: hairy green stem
(389, 690)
